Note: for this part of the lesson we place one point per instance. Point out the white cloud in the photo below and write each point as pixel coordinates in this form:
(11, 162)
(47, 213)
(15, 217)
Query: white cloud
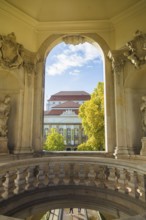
(73, 57)
(74, 72)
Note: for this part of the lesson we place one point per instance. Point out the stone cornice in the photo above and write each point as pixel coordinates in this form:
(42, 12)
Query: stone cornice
(100, 25)
(141, 5)
(10, 10)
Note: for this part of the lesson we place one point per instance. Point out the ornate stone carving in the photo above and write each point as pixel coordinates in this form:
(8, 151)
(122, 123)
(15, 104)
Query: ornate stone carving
(118, 61)
(74, 39)
(13, 55)
(10, 51)
(143, 110)
(4, 114)
(136, 49)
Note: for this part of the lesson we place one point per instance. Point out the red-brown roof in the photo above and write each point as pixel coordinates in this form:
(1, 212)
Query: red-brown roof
(68, 104)
(58, 112)
(70, 96)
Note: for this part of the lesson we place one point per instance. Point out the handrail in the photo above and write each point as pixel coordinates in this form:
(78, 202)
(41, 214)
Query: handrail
(121, 176)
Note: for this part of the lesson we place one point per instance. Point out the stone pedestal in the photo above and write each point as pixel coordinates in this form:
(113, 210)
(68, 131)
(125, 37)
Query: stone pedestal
(4, 145)
(123, 152)
(143, 149)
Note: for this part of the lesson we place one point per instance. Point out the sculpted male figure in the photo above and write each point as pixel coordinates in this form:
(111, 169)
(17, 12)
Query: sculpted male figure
(143, 110)
(4, 113)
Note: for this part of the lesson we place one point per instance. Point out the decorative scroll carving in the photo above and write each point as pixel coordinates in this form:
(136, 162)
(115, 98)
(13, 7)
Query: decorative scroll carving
(118, 61)
(4, 114)
(134, 51)
(13, 55)
(74, 39)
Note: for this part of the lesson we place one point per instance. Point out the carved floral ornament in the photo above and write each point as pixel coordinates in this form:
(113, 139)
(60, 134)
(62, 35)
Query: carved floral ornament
(74, 39)
(13, 55)
(134, 51)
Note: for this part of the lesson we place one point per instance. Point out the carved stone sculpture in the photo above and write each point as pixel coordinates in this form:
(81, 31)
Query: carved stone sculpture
(143, 110)
(13, 55)
(131, 55)
(135, 50)
(10, 51)
(4, 114)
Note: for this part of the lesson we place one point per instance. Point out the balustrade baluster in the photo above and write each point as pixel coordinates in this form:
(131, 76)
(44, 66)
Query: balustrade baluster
(91, 176)
(9, 184)
(61, 174)
(143, 187)
(30, 177)
(141, 178)
(66, 178)
(135, 185)
(117, 179)
(121, 180)
(82, 174)
(40, 177)
(20, 181)
(101, 177)
(1, 186)
(51, 174)
(71, 174)
(112, 179)
(127, 179)
(107, 173)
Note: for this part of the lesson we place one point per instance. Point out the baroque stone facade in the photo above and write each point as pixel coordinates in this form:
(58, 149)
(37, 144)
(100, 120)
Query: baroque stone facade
(115, 185)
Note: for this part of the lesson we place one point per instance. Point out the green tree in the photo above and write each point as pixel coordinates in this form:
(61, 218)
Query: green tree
(54, 141)
(92, 115)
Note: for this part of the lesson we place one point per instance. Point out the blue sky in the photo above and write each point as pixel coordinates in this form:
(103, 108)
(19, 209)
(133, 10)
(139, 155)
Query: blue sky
(70, 68)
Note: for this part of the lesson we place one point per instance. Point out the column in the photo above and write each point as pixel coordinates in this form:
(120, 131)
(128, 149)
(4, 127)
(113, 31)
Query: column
(121, 150)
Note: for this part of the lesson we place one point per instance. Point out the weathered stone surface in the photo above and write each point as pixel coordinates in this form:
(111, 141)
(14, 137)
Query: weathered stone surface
(4, 145)
(2, 217)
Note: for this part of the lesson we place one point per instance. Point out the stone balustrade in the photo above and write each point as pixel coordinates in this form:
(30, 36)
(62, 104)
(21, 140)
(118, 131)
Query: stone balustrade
(117, 175)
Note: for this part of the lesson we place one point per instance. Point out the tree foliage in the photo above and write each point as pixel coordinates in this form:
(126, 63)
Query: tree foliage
(54, 141)
(92, 114)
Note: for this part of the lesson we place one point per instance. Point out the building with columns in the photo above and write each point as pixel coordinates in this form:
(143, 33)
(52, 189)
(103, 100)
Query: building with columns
(62, 114)
(113, 181)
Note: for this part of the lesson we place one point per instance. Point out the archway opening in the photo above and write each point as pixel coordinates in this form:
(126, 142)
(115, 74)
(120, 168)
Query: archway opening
(74, 75)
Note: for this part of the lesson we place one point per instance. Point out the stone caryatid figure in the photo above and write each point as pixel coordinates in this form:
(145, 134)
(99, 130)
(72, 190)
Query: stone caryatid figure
(143, 110)
(4, 115)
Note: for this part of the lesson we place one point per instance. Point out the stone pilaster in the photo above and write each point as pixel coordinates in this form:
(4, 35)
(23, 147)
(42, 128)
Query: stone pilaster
(143, 149)
(121, 150)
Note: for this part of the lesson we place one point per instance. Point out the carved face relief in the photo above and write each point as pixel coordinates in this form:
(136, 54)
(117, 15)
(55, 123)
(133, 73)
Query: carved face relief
(10, 54)
(9, 51)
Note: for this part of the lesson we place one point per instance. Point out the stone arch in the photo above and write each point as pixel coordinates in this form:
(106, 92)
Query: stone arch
(42, 53)
(41, 200)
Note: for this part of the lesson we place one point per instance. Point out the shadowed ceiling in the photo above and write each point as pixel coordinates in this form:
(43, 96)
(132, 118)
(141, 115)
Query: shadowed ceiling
(72, 10)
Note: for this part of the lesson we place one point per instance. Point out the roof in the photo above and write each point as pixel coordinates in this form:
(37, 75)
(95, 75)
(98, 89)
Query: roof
(70, 96)
(68, 104)
(58, 112)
